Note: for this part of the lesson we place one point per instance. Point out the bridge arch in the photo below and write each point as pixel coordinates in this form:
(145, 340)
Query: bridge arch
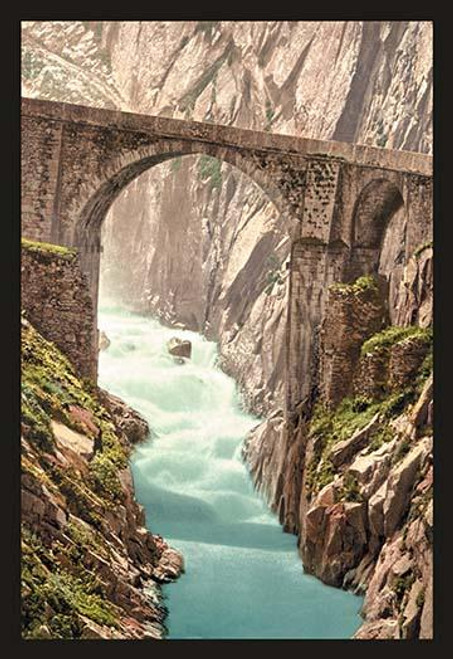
(98, 195)
(379, 205)
(376, 205)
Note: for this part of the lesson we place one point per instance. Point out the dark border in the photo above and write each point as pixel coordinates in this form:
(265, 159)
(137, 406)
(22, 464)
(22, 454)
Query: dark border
(11, 467)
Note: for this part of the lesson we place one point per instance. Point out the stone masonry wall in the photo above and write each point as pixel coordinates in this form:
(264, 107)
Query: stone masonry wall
(353, 314)
(56, 300)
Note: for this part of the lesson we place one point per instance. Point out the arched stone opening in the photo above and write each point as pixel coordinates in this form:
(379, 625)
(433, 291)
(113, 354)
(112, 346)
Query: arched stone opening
(98, 196)
(379, 216)
(235, 286)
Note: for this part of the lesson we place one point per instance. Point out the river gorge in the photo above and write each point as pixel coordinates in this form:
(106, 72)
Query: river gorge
(243, 577)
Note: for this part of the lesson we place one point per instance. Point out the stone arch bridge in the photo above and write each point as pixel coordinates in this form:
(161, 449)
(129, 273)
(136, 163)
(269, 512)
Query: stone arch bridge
(336, 199)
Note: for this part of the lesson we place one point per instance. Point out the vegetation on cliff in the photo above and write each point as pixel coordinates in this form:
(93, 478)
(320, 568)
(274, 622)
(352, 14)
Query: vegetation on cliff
(390, 336)
(86, 557)
(48, 248)
(329, 426)
(50, 390)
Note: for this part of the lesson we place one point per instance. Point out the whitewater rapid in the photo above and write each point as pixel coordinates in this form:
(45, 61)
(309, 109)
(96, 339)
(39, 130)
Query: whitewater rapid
(243, 577)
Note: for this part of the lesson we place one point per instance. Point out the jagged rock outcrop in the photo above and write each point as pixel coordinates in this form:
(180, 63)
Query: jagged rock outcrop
(104, 341)
(90, 569)
(414, 305)
(359, 494)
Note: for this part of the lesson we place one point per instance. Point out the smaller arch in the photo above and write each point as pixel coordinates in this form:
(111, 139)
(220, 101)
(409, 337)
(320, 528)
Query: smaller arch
(376, 205)
(379, 204)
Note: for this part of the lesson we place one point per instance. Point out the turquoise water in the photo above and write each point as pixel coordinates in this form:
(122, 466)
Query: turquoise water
(243, 577)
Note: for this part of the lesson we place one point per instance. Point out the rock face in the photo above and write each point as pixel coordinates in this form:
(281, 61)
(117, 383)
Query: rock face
(179, 348)
(414, 303)
(359, 493)
(90, 569)
(104, 341)
(354, 313)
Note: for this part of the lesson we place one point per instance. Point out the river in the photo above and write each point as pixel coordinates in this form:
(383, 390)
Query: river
(244, 578)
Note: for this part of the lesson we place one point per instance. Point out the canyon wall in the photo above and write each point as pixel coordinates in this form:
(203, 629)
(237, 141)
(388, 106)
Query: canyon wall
(352, 475)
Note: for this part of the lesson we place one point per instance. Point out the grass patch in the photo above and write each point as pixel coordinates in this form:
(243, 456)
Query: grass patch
(425, 369)
(104, 470)
(402, 585)
(328, 427)
(420, 599)
(362, 284)
(350, 489)
(56, 598)
(48, 248)
(49, 387)
(393, 335)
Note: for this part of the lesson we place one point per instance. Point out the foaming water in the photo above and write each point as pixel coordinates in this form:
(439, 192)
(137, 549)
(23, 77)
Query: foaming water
(243, 577)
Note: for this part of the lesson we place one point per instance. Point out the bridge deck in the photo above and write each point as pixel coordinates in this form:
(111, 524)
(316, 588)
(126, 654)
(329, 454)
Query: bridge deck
(361, 155)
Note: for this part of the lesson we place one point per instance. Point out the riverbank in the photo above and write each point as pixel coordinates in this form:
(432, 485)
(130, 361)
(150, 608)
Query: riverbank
(90, 570)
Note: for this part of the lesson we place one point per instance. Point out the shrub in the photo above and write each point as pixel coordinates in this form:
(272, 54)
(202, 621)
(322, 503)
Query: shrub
(210, 168)
(360, 285)
(392, 335)
(402, 584)
(350, 490)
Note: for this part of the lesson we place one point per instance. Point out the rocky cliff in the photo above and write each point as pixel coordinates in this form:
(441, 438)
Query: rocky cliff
(353, 478)
(90, 569)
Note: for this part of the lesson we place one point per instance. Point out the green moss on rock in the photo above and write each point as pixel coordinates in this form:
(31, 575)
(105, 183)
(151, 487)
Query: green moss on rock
(390, 336)
(49, 248)
(58, 587)
(350, 489)
(54, 598)
(330, 426)
(421, 248)
(360, 285)
(49, 389)
(210, 168)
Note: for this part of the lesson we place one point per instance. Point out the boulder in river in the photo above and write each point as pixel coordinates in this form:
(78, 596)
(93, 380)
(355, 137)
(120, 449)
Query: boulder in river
(179, 347)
